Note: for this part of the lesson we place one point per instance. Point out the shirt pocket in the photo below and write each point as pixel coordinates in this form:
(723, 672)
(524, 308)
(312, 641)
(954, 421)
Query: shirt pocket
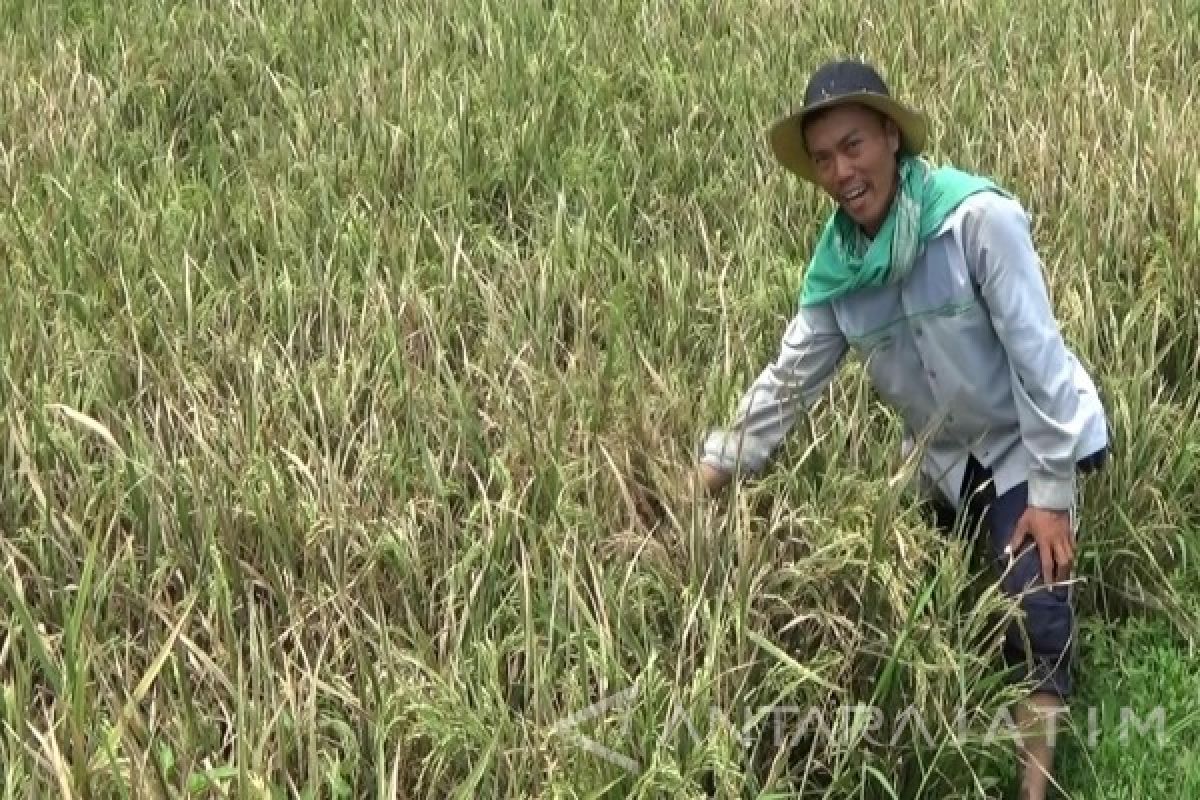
(972, 367)
(966, 335)
(896, 372)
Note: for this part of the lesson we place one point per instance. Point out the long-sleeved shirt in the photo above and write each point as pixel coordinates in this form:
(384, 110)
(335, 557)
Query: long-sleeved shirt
(966, 349)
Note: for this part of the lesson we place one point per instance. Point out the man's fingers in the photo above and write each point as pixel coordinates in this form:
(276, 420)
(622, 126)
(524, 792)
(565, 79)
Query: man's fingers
(1053, 541)
(1019, 532)
(1048, 571)
(1066, 559)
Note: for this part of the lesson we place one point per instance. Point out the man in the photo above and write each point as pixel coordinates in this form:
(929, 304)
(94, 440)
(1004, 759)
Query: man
(932, 277)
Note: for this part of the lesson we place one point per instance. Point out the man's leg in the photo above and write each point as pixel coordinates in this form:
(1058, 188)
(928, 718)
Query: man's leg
(1037, 723)
(1040, 646)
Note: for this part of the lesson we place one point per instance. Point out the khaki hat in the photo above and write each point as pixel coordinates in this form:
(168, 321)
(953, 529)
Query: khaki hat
(838, 83)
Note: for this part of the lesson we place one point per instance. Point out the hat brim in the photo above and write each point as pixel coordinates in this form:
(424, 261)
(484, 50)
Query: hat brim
(787, 135)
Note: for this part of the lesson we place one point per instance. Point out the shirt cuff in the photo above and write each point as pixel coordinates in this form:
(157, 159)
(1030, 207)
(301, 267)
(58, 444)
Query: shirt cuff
(1050, 491)
(726, 450)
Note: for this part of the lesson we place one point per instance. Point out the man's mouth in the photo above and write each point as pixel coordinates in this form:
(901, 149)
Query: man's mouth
(854, 193)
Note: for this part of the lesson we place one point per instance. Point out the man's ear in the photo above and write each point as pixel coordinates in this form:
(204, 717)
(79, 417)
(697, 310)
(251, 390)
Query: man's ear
(892, 131)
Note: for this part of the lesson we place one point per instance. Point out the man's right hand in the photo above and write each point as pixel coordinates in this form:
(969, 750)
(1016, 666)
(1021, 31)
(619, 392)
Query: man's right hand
(713, 479)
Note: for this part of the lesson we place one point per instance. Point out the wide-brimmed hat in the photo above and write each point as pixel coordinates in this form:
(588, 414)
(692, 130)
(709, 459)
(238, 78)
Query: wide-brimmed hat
(837, 83)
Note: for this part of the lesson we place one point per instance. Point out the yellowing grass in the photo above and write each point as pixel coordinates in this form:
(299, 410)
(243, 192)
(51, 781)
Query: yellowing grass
(355, 358)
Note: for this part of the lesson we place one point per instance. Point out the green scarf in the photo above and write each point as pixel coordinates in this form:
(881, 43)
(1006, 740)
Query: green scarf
(844, 260)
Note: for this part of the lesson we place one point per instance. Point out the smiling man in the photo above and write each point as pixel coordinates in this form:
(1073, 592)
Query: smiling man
(931, 276)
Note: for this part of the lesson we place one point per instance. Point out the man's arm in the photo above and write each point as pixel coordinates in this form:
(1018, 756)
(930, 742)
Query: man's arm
(1001, 249)
(810, 352)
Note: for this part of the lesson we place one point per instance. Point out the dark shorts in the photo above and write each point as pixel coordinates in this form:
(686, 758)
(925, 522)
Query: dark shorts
(1040, 647)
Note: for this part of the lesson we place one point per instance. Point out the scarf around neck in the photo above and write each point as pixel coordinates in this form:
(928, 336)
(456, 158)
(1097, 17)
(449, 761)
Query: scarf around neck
(846, 260)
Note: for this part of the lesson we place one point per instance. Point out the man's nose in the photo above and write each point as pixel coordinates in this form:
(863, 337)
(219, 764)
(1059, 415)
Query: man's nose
(842, 167)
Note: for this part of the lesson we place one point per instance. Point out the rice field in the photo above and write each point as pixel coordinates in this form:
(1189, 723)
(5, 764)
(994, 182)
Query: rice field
(354, 359)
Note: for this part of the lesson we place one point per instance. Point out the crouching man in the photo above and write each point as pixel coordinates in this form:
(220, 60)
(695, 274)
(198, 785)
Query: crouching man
(931, 275)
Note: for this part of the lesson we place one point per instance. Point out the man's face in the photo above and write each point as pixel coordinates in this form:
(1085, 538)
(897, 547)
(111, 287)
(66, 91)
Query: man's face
(854, 152)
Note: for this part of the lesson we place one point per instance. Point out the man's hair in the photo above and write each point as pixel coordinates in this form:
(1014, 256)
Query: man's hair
(809, 119)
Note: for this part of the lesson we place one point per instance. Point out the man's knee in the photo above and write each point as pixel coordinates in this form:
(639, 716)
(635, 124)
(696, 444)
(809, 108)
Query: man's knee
(1042, 636)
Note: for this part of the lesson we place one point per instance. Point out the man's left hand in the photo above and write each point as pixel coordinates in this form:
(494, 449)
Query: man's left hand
(1051, 530)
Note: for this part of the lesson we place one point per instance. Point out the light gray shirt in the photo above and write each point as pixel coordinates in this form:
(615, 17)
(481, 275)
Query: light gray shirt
(966, 349)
